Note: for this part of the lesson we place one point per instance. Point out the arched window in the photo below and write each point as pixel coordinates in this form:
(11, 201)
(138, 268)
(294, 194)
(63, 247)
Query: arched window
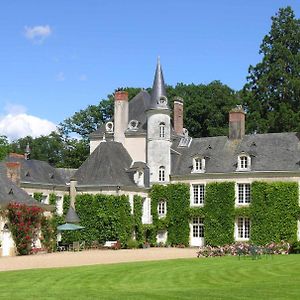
(161, 174)
(162, 129)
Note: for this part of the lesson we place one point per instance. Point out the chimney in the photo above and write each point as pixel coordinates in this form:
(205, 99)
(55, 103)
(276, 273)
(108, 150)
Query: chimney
(13, 172)
(178, 115)
(236, 123)
(120, 116)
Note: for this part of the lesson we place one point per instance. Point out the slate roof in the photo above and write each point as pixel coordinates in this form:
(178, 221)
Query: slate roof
(36, 171)
(136, 111)
(268, 152)
(9, 193)
(106, 166)
(66, 173)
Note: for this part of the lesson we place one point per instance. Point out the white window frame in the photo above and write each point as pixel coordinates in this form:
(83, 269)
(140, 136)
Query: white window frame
(162, 174)
(244, 162)
(197, 194)
(198, 227)
(243, 227)
(243, 193)
(162, 130)
(198, 165)
(162, 208)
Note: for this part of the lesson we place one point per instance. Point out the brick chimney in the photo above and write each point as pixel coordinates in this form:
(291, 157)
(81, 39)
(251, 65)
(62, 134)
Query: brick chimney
(178, 115)
(236, 123)
(120, 116)
(13, 171)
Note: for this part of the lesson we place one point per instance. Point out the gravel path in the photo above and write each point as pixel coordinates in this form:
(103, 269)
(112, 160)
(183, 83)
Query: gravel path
(92, 257)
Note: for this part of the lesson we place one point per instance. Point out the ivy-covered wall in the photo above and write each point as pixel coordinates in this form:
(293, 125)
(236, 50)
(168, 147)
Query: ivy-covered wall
(219, 213)
(274, 211)
(177, 218)
(104, 217)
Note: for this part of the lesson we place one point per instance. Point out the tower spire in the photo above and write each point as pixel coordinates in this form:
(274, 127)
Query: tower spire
(158, 88)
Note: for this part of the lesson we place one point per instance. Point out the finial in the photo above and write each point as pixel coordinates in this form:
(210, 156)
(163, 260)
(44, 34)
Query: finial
(103, 138)
(158, 60)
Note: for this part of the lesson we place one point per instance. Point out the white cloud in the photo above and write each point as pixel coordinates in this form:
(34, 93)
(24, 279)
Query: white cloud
(60, 76)
(37, 33)
(82, 77)
(17, 123)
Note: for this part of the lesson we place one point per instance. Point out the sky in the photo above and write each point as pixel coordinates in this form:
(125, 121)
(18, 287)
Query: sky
(57, 57)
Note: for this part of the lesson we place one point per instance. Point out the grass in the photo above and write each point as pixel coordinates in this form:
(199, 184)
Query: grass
(204, 278)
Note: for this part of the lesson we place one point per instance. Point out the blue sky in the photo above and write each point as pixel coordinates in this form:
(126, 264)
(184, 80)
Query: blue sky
(57, 57)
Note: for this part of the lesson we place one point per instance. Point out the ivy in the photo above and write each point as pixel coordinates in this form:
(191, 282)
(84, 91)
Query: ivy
(66, 204)
(177, 218)
(137, 218)
(274, 212)
(196, 212)
(38, 196)
(219, 213)
(242, 212)
(105, 217)
(52, 199)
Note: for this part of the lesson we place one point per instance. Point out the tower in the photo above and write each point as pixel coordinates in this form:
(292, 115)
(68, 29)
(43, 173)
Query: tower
(159, 131)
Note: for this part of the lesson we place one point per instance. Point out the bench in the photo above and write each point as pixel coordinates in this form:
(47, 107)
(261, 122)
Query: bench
(112, 245)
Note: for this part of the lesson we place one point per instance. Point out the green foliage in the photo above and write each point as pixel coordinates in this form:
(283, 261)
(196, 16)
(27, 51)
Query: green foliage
(66, 204)
(178, 214)
(206, 107)
(4, 147)
(133, 244)
(272, 94)
(137, 218)
(274, 212)
(196, 212)
(52, 199)
(242, 212)
(48, 233)
(38, 196)
(219, 213)
(104, 217)
(177, 219)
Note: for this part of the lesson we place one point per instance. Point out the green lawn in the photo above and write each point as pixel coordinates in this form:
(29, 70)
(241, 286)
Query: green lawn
(204, 278)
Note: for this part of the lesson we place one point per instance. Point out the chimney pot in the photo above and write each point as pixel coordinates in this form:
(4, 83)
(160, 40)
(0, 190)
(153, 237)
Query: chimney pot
(121, 96)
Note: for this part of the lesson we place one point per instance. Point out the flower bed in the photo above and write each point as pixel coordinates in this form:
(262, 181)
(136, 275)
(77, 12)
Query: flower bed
(246, 249)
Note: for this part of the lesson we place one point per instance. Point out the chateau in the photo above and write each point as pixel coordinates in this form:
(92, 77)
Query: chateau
(141, 146)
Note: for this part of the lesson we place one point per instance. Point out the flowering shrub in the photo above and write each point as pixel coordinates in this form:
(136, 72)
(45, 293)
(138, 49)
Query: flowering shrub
(244, 249)
(25, 222)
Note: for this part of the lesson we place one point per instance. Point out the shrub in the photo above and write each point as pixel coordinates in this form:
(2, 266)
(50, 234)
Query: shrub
(132, 244)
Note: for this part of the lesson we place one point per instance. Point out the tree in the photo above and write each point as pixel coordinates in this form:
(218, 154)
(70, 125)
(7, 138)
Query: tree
(272, 93)
(206, 107)
(87, 120)
(4, 147)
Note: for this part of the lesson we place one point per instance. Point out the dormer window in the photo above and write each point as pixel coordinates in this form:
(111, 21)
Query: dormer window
(163, 101)
(162, 209)
(244, 162)
(198, 165)
(162, 129)
(161, 174)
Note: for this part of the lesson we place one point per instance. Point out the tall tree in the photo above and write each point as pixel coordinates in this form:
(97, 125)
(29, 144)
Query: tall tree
(272, 93)
(4, 147)
(206, 107)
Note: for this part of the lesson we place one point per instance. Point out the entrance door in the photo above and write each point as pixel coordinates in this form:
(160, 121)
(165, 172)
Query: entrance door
(197, 232)
(6, 241)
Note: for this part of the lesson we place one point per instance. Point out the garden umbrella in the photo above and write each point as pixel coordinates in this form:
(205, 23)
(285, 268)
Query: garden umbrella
(69, 226)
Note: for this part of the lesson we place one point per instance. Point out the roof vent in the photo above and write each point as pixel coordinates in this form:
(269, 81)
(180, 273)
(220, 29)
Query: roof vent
(27, 174)
(51, 175)
(11, 192)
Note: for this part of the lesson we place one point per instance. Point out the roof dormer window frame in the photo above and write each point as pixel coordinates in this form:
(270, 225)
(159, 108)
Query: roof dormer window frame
(244, 162)
(198, 164)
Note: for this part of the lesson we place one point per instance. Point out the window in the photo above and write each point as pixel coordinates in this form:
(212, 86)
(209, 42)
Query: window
(198, 228)
(162, 208)
(244, 193)
(198, 194)
(198, 164)
(243, 228)
(162, 127)
(161, 174)
(244, 162)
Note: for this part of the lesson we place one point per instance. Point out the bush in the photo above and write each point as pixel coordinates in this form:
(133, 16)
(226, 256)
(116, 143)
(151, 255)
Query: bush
(133, 244)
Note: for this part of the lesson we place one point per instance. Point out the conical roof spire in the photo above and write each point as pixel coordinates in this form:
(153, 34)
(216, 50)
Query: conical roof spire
(158, 88)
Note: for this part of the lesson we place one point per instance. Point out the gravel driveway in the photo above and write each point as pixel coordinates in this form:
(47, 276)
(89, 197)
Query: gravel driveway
(92, 257)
